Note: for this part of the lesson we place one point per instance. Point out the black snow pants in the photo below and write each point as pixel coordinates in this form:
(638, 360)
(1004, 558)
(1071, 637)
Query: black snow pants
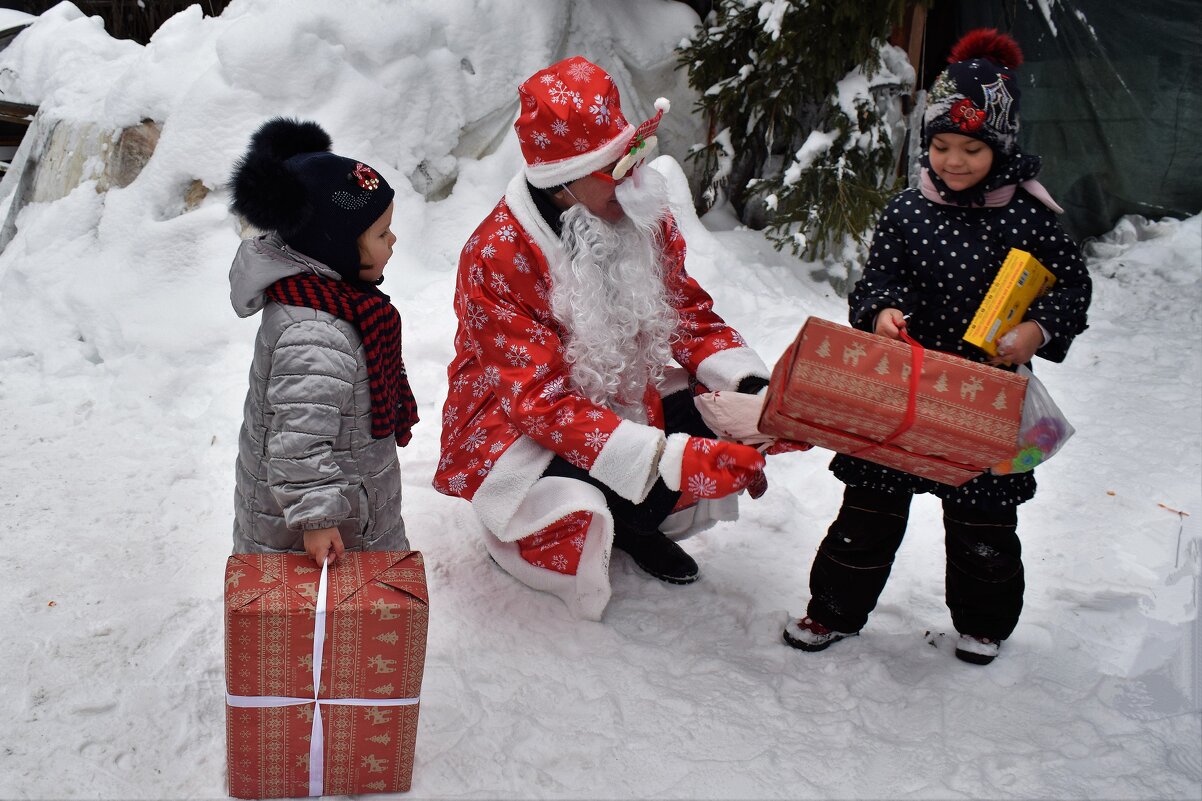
(984, 579)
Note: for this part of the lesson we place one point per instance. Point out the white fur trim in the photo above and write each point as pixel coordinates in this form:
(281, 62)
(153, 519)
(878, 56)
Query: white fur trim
(726, 368)
(626, 463)
(527, 215)
(586, 593)
(509, 481)
(675, 380)
(663, 104)
(565, 171)
(549, 499)
(670, 463)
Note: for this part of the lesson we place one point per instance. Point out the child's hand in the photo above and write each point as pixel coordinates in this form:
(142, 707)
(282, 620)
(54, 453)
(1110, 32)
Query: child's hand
(1018, 345)
(323, 542)
(890, 323)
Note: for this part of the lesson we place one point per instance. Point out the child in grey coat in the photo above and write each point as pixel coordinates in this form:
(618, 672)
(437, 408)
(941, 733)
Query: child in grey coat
(328, 401)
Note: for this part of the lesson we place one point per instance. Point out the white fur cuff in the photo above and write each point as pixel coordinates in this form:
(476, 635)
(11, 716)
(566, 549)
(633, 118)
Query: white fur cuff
(670, 464)
(726, 368)
(626, 464)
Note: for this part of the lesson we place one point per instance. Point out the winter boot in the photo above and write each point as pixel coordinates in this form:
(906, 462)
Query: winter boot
(810, 635)
(656, 555)
(977, 650)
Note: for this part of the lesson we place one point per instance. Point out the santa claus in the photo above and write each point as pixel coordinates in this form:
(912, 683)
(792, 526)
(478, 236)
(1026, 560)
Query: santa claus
(564, 424)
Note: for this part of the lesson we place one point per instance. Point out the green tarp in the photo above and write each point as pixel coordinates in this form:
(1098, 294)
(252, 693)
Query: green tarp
(1111, 99)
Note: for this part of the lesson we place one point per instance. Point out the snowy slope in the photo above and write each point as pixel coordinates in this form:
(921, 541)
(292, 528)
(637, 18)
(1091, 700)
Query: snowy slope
(122, 371)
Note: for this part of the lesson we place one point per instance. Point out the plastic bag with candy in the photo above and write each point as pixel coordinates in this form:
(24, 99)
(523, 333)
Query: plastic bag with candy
(1043, 432)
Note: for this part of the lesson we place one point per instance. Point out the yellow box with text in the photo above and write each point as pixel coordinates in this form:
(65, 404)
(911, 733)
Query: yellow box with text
(1020, 281)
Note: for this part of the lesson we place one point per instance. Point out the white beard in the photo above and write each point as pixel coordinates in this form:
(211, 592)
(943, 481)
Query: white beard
(609, 296)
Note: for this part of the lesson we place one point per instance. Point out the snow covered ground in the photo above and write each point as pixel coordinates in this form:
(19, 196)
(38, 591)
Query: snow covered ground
(122, 372)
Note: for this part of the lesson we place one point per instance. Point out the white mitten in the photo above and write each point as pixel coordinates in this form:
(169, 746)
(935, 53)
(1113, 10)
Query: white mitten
(733, 415)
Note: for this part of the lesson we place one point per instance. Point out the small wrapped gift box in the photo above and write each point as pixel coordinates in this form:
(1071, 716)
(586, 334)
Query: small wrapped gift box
(323, 671)
(894, 403)
(1018, 283)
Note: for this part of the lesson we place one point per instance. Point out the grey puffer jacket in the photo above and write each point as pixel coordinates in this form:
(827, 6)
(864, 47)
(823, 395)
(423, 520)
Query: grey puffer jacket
(306, 457)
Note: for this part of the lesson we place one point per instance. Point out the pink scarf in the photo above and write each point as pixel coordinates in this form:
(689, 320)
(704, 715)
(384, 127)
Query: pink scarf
(994, 197)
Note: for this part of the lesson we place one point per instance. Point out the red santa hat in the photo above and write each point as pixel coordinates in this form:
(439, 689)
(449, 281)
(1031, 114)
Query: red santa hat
(571, 124)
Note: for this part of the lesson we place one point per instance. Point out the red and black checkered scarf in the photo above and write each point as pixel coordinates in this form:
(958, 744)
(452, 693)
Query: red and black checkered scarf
(393, 410)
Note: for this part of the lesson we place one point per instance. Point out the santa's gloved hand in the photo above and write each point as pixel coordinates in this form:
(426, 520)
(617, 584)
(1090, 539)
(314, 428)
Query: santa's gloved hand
(708, 468)
(758, 485)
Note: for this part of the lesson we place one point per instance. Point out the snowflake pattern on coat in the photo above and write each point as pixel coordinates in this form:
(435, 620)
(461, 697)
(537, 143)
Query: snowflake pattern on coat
(508, 377)
(558, 546)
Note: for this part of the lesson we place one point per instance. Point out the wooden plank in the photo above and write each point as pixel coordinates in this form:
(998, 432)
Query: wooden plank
(18, 113)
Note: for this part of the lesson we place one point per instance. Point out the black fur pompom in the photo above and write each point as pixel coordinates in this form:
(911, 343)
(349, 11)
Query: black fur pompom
(282, 138)
(266, 192)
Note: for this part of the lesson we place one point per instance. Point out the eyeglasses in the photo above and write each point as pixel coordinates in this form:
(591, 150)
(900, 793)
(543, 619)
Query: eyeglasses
(608, 175)
(640, 148)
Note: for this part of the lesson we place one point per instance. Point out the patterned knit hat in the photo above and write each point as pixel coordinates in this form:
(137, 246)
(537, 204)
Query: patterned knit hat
(317, 201)
(978, 94)
(571, 124)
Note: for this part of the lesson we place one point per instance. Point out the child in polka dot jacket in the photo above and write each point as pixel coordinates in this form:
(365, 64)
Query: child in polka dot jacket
(933, 256)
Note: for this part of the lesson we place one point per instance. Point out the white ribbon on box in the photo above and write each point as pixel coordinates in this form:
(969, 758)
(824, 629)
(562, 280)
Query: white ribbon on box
(317, 765)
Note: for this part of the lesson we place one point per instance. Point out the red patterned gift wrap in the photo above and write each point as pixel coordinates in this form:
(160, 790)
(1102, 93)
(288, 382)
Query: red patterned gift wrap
(857, 393)
(362, 624)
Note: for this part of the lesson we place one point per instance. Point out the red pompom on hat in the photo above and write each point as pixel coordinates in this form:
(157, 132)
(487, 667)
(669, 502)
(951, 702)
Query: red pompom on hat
(571, 123)
(987, 43)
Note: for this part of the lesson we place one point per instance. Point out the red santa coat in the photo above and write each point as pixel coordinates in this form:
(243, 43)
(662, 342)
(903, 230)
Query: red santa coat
(510, 408)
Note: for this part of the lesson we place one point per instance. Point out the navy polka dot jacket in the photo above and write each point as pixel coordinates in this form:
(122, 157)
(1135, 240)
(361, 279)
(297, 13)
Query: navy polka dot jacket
(935, 262)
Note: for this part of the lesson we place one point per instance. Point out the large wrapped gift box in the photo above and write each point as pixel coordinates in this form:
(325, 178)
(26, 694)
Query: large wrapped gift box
(361, 627)
(858, 393)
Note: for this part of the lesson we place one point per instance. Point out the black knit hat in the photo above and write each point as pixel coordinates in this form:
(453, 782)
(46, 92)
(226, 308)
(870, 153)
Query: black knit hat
(318, 202)
(977, 95)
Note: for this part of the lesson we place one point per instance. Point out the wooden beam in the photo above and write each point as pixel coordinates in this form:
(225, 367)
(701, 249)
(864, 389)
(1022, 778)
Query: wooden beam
(18, 113)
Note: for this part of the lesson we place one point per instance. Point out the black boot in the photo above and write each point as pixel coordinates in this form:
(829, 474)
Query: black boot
(657, 555)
